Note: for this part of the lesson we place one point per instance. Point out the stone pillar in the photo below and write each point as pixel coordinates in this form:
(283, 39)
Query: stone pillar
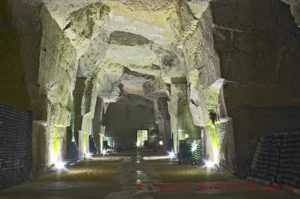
(176, 141)
(83, 144)
(101, 136)
(173, 121)
(226, 143)
(203, 142)
(40, 151)
(207, 143)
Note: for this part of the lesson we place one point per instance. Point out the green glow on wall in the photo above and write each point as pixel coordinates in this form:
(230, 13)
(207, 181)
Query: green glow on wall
(213, 132)
(55, 140)
(84, 141)
(101, 142)
(175, 141)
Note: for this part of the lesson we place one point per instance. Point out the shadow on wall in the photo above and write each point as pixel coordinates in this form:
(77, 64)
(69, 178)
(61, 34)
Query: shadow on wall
(13, 89)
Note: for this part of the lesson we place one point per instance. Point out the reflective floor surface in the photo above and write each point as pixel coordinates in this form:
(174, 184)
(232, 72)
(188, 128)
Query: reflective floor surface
(131, 176)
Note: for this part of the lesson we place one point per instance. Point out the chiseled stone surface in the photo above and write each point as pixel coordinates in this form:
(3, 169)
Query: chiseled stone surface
(221, 56)
(258, 47)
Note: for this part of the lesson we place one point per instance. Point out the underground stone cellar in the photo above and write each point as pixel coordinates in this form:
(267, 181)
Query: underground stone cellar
(149, 99)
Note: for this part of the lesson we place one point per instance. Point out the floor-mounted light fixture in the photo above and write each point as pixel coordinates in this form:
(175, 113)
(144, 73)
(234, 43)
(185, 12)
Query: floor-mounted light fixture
(161, 143)
(60, 165)
(172, 155)
(88, 155)
(209, 164)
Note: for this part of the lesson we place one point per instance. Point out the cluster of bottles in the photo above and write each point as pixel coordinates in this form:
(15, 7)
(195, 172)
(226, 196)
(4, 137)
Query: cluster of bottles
(190, 152)
(277, 159)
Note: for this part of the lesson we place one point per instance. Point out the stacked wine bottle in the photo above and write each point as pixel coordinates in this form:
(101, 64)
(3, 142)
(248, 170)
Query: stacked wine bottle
(72, 153)
(277, 159)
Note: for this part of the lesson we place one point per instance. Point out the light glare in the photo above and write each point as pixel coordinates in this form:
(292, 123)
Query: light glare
(209, 164)
(60, 165)
(155, 157)
(88, 155)
(171, 155)
(216, 154)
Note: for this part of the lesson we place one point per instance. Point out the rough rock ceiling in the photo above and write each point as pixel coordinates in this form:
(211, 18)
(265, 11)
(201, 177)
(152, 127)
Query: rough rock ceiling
(111, 35)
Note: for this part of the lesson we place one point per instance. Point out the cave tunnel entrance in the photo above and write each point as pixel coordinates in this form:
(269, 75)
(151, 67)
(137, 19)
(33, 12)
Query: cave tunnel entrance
(129, 120)
(142, 138)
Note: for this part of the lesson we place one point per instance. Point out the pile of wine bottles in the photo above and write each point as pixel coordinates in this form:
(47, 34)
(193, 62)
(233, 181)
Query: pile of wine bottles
(289, 164)
(190, 152)
(185, 153)
(277, 159)
(72, 152)
(197, 153)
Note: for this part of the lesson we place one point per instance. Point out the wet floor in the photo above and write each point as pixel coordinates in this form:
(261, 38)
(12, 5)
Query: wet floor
(130, 176)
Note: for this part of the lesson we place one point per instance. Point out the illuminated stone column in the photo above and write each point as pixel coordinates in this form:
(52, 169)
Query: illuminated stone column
(212, 146)
(83, 144)
(162, 119)
(56, 147)
(176, 141)
(101, 136)
(174, 130)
